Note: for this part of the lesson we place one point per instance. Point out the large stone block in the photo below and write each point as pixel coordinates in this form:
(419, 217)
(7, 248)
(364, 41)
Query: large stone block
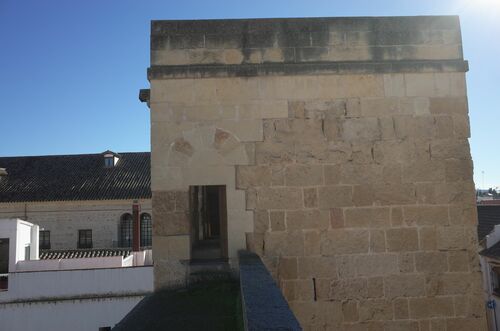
(450, 149)
(424, 171)
(310, 197)
(466, 324)
(284, 243)
(287, 267)
(349, 289)
(345, 242)
(173, 223)
(367, 217)
(360, 173)
(404, 286)
(317, 267)
(304, 175)
(361, 129)
(421, 308)
(308, 219)
(426, 215)
(279, 198)
(334, 196)
(376, 265)
(402, 239)
(253, 176)
(375, 309)
(431, 262)
(449, 105)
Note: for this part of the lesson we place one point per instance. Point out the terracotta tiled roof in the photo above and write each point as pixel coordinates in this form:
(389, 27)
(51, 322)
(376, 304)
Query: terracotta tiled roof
(75, 177)
(82, 253)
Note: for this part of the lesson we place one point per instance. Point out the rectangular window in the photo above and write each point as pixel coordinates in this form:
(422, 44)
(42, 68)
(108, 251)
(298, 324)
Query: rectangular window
(44, 239)
(84, 238)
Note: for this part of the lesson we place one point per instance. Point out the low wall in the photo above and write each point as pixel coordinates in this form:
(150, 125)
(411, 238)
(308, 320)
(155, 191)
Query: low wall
(264, 307)
(65, 284)
(70, 264)
(75, 315)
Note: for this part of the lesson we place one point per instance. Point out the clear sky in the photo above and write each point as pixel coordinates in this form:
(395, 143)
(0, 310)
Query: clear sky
(70, 71)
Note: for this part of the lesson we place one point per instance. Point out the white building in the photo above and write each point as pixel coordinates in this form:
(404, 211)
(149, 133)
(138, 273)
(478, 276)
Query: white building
(66, 293)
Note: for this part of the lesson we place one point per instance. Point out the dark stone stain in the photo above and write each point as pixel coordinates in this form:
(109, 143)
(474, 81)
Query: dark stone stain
(252, 70)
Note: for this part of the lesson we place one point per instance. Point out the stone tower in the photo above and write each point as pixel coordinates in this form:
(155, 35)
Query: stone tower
(335, 148)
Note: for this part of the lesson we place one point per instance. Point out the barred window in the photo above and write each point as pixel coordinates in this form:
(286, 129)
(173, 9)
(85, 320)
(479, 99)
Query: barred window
(146, 230)
(85, 238)
(44, 239)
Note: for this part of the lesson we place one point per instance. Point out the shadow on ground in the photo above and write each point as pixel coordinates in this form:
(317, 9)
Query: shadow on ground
(213, 305)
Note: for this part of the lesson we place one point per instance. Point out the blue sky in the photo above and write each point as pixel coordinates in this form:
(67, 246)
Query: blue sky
(70, 71)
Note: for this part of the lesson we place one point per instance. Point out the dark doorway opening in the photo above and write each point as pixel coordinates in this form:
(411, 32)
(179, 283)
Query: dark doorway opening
(4, 263)
(209, 222)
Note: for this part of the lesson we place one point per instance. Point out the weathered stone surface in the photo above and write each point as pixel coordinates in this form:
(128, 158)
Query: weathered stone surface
(406, 262)
(332, 174)
(367, 217)
(317, 267)
(375, 287)
(401, 309)
(345, 242)
(310, 197)
(449, 105)
(377, 241)
(349, 289)
(253, 176)
(334, 196)
(308, 219)
(464, 324)
(458, 261)
(357, 174)
(287, 267)
(350, 311)
(426, 215)
(172, 223)
(402, 239)
(431, 262)
(279, 198)
(376, 264)
(375, 309)
(284, 243)
(302, 175)
(404, 286)
(277, 219)
(337, 219)
(260, 221)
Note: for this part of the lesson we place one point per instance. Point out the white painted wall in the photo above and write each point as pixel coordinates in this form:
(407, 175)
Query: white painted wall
(74, 283)
(20, 234)
(74, 315)
(69, 264)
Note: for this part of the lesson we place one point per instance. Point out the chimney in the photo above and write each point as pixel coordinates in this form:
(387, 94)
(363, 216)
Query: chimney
(136, 245)
(3, 173)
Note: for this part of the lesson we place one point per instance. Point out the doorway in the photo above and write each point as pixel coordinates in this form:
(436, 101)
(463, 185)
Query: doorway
(4, 263)
(208, 209)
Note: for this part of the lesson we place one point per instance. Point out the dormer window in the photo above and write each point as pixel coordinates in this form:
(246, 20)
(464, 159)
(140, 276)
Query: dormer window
(110, 159)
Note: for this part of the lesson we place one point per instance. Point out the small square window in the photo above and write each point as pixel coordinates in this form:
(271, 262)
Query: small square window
(44, 239)
(85, 238)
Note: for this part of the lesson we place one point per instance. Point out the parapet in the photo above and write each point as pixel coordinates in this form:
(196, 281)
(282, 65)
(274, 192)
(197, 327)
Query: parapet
(429, 39)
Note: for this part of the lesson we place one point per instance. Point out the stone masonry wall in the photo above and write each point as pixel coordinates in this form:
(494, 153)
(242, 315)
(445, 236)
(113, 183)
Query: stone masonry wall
(348, 170)
(64, 219)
